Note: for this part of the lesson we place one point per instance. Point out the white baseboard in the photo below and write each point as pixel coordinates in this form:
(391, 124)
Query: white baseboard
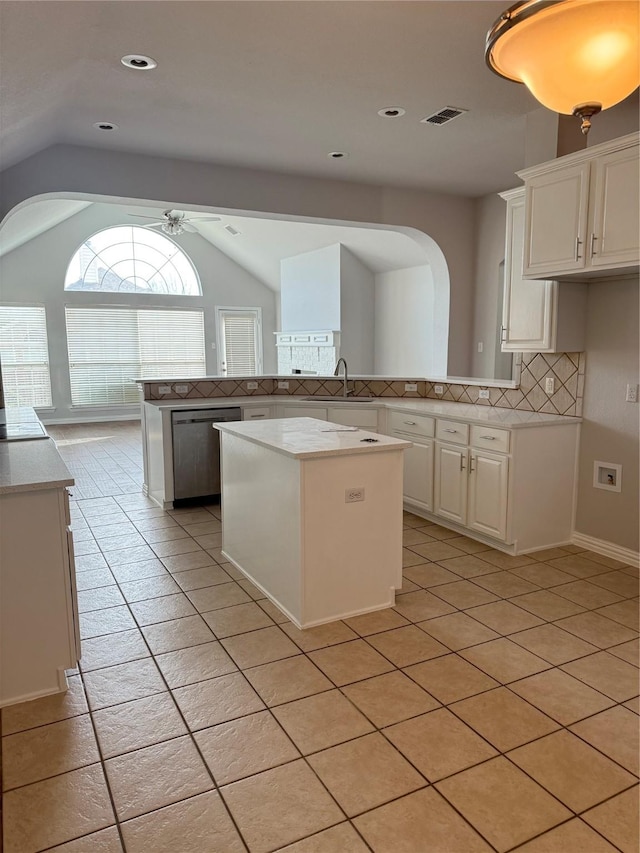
(607, 549)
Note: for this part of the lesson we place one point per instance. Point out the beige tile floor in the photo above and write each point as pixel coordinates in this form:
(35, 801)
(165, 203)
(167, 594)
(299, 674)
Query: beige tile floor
(494, 708)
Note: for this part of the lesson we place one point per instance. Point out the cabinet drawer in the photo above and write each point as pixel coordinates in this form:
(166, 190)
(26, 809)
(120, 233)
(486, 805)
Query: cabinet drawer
(452, 431)
(489, 438)
(411, 424)
(256, 414)
(367, 419)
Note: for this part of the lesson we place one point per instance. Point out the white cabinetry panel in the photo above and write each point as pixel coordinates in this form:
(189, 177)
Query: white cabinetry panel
(450, 488)
(488, 481)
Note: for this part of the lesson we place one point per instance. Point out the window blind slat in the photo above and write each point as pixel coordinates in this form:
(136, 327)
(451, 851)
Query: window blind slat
(110, 347)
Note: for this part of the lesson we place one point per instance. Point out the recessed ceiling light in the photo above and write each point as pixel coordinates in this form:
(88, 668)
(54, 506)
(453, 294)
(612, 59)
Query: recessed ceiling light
(139, 62)
(105, 125)
(337, 155)
(391, 112)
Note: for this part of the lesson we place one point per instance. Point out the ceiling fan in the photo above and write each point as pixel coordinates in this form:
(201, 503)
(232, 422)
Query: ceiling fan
(175, 222)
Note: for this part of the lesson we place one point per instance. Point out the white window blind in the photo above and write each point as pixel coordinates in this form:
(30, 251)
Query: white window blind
(239, 336)
(110, 347)
(25, 356)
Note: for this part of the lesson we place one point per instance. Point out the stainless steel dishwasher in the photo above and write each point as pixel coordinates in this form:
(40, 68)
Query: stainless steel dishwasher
(196, 451)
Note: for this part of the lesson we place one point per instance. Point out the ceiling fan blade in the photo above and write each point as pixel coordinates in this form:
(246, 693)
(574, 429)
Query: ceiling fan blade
(188, 227)
(154, 225)
(142, 216)
(203, 219)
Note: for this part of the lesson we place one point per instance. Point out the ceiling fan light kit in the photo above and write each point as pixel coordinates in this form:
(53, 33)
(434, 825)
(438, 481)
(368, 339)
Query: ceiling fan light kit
(577, 57)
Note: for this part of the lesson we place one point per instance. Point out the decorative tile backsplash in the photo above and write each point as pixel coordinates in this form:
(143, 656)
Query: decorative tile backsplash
(567, 369)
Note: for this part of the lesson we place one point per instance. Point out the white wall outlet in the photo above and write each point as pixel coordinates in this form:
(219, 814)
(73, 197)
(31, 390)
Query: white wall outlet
(483, 394)
(353, 495)
(632, 394)
(283, 385)
(164, 389)
(549, 385)
(410, 386)
(480, 346)
(252, 386)
(182, 389)
(438, 389)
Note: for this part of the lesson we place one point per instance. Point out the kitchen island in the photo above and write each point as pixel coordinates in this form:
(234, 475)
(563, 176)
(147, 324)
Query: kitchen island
(312, 515)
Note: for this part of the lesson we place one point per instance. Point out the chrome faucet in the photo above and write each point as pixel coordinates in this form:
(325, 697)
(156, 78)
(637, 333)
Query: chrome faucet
(345, 390)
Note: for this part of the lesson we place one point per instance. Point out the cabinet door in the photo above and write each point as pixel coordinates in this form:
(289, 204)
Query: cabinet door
(488, 480)
(556, 221)
(528, 306)
(418, 474)
(616, 226)
(450, 485)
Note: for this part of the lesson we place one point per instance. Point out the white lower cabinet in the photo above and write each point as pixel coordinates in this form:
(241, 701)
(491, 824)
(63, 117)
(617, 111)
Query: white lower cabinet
(471, 489)
(418, 473)
(39, 630)
(511, 488)
(450, 500)
(487, 493)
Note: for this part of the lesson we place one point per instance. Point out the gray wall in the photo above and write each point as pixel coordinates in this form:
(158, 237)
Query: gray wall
(491, 223)
(357, 309)
(310, 291)
(610, 426)
(448, 219)
(35, 272)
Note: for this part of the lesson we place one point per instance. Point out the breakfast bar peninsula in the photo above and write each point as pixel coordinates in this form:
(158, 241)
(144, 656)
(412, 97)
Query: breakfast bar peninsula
(312, 515)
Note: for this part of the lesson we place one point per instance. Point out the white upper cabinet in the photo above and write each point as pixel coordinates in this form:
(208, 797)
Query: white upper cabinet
(581, 212)
(540, 315)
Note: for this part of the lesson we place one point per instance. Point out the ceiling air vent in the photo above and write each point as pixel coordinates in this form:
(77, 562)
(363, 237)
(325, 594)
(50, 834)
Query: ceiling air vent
(444, 115)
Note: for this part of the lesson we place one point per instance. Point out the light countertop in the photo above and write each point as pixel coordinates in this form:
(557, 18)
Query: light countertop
(508, 418)
(308, 438)
(27, 466)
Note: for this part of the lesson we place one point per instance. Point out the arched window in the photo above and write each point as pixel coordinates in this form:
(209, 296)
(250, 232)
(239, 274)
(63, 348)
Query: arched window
(132, 259)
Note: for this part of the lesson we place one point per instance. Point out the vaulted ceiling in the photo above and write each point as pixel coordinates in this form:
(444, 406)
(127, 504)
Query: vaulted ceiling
(268, 84)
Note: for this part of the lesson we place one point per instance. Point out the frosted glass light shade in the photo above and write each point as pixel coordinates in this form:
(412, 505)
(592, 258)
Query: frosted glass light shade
(569, 53)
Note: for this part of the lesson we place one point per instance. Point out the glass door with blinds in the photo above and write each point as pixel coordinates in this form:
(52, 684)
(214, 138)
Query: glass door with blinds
(111, 347)
(239, 341)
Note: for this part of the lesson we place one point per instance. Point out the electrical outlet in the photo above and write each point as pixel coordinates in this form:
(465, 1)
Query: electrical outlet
(353, 495)
(632, 394)
(483, 394)
(549, 385)
(410, 386)
(283, 385)
(438, 389)
(164, 389)
(252, 386)
(182, 389)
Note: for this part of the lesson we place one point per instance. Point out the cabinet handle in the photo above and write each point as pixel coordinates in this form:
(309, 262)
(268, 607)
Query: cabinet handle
(578, 244)
(409, 423)
(449, 430)
(593, 247)
(488, 437)
(471, 468)
(255, 417)
(462, 465)
(503, 333)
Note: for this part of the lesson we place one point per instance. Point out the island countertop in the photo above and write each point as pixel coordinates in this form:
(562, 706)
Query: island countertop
(308, 438)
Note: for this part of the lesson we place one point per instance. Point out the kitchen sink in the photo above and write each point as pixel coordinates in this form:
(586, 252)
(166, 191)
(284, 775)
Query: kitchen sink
(318, 399)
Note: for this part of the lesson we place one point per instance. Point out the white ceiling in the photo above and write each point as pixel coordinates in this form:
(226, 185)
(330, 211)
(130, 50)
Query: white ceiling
(33, 219)
(271, 85)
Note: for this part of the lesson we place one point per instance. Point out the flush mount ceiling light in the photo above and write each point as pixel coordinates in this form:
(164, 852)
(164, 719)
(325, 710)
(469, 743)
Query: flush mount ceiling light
(337, 155)
(139, 62)
(391, 112)
(577, 57)
(105, 125)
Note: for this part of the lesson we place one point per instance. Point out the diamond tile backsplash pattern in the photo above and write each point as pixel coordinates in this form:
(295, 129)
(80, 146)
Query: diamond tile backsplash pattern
(567, 369)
